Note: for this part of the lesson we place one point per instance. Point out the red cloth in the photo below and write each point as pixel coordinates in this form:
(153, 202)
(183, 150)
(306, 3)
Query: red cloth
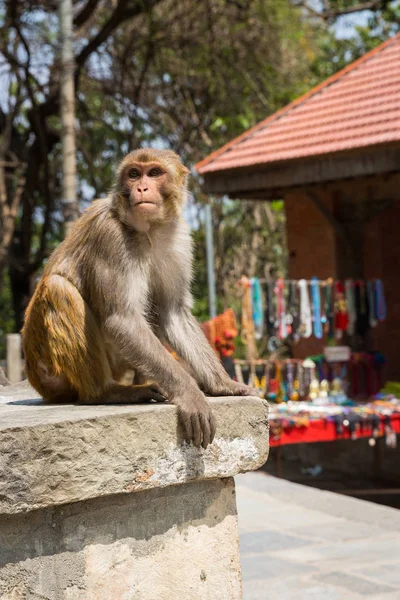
(322, 430)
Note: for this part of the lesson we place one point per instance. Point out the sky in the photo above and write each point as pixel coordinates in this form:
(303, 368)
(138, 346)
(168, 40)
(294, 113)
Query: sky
(344, 26)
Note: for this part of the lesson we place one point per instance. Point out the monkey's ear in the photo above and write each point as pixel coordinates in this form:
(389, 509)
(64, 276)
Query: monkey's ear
(183, 170)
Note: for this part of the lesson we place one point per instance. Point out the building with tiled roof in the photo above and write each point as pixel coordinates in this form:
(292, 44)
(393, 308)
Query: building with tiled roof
(333, 156)
(358, 108)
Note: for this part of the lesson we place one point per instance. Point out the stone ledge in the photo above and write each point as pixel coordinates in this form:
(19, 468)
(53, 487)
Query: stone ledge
(58, 454)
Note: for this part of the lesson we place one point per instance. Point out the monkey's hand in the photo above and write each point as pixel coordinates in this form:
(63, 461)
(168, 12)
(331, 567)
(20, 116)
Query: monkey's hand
(228, 387)
(195, 415)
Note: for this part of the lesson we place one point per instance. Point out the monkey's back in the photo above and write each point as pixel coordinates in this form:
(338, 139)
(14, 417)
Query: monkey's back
(61, 327)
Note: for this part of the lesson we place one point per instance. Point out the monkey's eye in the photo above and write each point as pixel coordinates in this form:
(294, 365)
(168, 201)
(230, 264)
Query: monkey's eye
(156, 172)
(133, 173)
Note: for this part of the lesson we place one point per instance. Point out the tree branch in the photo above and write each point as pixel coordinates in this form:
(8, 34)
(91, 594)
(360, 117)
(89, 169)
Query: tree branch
(328, 12)
(121, 13)
(86, 12)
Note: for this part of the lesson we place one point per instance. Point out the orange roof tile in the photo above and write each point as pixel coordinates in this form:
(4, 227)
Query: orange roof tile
(357, 107)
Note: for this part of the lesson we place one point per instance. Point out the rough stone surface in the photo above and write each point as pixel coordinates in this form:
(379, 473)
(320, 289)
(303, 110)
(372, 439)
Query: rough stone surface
(175, 543)
(110, 503)
(58, 454)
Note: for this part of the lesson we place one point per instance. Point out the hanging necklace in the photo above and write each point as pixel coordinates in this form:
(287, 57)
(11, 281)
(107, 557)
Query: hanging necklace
(316, 304)
(296, 384)
(269, 312)
(341, 311)
(257, 307)
(351, 309)
(305, 310)
(373, 322)
(280, 301)
(273, 381)
(289, 376)
(293, 312)
(328, 308)
(380, 300)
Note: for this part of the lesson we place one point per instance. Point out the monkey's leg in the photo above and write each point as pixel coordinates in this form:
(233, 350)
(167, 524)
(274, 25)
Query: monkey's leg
(63, 343)
(139, 379)
(121, 372)
(70, 361)
(116, 393)
(140, 347)
(184, 335)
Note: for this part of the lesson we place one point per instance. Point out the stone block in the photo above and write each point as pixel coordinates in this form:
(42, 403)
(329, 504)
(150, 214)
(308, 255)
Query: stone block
(175, 543)
(110, 503)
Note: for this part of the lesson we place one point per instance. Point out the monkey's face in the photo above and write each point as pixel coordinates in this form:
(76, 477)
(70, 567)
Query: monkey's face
(153, 184)
(144, 184)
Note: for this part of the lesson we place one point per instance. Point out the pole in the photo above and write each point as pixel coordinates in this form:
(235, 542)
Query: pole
(67, 102)
(212, 303)
(14, 358)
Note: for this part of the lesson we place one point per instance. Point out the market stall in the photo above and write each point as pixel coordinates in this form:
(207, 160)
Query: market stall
(305, 422)
(338, 394)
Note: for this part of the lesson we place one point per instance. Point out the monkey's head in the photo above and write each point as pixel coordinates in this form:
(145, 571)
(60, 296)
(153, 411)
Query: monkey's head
(150, 188)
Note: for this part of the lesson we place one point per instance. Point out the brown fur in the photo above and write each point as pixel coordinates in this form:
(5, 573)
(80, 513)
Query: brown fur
(66, 340)
(117, 285)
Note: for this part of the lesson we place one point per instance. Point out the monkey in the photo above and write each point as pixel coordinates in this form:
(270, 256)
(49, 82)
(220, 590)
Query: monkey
(115, 291)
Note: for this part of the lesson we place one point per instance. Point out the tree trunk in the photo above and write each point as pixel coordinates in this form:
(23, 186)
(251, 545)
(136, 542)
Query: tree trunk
(67, 102)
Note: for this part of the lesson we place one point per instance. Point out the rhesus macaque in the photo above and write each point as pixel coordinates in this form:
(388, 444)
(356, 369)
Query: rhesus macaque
(116, 288)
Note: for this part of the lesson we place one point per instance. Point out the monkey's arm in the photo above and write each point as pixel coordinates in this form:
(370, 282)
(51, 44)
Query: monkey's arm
(184, 334)
(143, 351)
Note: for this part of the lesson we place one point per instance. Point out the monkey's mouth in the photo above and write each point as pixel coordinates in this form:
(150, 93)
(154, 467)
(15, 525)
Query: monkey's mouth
(145, 202)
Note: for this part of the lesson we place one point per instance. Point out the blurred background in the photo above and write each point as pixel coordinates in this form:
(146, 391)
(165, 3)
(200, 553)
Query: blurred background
(185, 75)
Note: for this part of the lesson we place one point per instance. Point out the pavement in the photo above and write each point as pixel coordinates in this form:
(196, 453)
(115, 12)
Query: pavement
(299, 543)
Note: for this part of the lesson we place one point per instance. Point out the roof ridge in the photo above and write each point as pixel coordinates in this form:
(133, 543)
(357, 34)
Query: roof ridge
(298, 101)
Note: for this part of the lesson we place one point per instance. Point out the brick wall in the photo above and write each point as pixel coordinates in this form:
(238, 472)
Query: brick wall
(315, 249)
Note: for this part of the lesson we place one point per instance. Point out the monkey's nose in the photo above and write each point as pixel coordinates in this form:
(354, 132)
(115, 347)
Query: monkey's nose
(142, 189)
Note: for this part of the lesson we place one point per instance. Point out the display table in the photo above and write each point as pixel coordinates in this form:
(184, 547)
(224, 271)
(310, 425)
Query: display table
(307, 422)
(324, 430)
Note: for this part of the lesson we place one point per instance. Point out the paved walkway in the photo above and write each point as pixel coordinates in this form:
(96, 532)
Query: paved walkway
(301, 543)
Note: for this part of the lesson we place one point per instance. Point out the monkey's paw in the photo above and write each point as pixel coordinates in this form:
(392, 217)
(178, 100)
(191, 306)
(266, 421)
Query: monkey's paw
(231, 388)
(148, 392)
(196, 417)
